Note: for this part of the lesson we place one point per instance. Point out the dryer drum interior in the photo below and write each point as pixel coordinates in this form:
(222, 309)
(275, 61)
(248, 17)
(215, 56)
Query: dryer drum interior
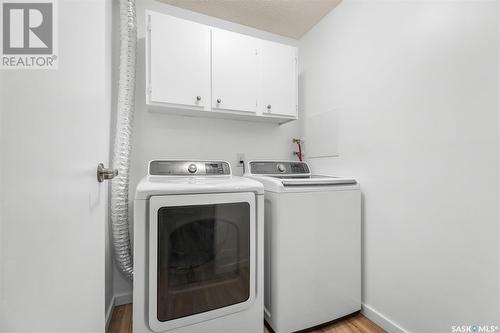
(203, 258)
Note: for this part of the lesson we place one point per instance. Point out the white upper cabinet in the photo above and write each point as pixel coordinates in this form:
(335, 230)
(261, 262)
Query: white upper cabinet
(197, 70)
(235, 76)
(179, 62)
(279, 79)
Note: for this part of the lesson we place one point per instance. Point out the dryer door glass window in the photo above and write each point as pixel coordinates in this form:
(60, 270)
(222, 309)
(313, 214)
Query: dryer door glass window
(203, 258)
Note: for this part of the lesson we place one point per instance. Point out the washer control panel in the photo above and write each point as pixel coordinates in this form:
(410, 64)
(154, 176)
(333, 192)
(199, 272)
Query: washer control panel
(278, 168)
(188, 168)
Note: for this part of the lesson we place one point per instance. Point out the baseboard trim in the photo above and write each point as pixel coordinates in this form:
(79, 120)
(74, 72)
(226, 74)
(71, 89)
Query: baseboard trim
(381, 320)
(109, 312)
(121, 299)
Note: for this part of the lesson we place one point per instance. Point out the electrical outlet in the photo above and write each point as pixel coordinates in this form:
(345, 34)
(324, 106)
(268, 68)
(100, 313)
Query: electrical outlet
(240, 158)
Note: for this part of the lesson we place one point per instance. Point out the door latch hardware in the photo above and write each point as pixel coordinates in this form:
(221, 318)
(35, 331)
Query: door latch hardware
(105, 173)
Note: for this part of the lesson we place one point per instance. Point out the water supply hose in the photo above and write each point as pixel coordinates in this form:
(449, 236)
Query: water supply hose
(299, 146)
(123, 134)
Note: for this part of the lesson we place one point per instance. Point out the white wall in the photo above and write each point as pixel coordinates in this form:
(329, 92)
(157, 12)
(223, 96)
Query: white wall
(415, 85)
(164, 136)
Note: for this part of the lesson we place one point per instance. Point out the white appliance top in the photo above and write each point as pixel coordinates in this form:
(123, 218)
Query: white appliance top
(166, 177)
(292, 176)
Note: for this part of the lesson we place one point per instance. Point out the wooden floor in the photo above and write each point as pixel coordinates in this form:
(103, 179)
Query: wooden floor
(121, 322)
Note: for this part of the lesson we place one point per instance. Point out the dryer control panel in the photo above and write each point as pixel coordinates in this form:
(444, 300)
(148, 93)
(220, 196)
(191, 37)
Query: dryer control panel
(188, 168)
(279, 168)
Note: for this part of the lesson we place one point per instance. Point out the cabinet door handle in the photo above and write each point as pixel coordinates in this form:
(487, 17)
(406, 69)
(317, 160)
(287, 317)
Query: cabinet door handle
(269, 106)
(198, 98)
(219, 100)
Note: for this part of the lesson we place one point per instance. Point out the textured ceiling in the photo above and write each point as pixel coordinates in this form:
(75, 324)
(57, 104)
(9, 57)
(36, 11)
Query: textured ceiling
(290, 18)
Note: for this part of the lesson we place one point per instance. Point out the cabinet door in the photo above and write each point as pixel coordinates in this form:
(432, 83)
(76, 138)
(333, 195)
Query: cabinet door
(179, 62)
(279, 79)
(235, 75)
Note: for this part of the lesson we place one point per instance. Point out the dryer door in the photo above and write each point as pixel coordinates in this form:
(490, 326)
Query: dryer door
(202, 257)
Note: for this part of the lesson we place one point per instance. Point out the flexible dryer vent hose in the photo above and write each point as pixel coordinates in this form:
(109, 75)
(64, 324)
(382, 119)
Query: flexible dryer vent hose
(123, 133)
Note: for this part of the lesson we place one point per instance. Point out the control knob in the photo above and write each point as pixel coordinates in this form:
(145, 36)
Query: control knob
(192, 168)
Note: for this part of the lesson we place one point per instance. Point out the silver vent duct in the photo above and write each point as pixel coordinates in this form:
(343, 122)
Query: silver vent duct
(123, 134)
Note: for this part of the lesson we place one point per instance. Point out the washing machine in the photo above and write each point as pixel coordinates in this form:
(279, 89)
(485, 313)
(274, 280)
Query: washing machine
(198, 250)
(312, 251)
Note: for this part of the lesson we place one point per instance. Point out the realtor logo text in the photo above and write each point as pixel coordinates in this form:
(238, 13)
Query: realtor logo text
(29, 36)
